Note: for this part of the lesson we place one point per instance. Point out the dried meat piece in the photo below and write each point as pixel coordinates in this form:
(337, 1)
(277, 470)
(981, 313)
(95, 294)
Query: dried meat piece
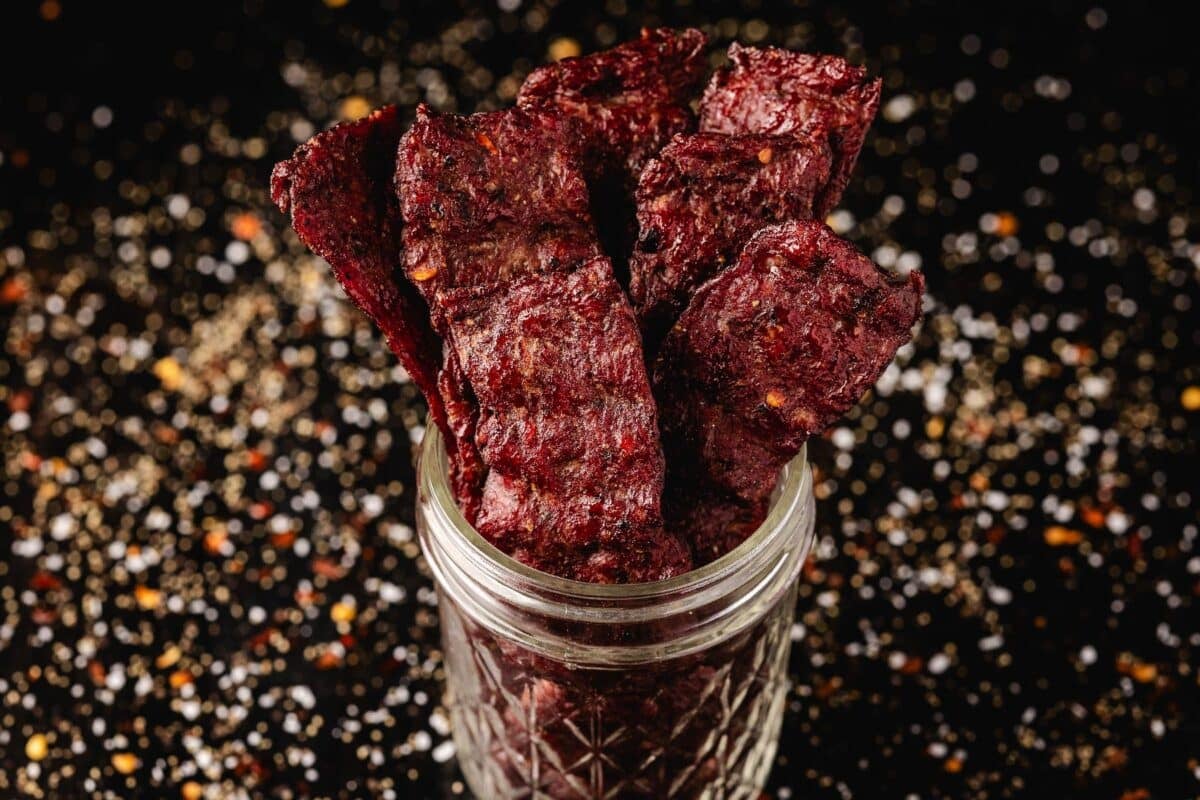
(771, 351)
(338, 190)
(566, 426)
(630, 99)
(712, 522)
(701, 199)
(771, 90)
(491, 197)
(340, 197)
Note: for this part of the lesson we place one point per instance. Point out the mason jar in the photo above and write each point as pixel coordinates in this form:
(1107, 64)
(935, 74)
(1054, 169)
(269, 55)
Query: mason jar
(562, 689)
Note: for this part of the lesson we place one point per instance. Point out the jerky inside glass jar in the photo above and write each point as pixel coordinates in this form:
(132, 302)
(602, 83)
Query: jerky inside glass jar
(563, 689)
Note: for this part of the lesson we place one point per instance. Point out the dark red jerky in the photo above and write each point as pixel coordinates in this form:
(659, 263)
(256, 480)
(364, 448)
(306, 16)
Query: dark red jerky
(699, 201)
(772, 350)
(630, 99)
(489, 198)
(338, 190)
(771, 90)
(711, 521)
(566, 426)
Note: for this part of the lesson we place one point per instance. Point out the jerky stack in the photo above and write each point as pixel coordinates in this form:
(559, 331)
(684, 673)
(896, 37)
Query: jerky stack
(537, 376)
(595, 278)
(793, 324)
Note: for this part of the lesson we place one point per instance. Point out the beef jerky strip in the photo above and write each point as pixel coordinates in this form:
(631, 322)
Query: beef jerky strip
(343, 207)
(567, 426)
(489, 198)
(699, 201)
(337, 190)
(771, 90)
(771, 351)
(629, 100)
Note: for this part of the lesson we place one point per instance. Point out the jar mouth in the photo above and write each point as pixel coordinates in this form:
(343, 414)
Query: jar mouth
(791, 500)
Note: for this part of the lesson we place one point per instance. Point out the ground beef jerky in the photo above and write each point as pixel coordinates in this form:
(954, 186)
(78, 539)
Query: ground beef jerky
(699, 201)
(629, 102)
(566, 426)
(491, 197)
(770, 90)
(773, 350)
(338, 190)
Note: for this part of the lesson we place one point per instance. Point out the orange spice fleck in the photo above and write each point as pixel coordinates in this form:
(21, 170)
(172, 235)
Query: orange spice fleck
(147, 597)
(246, 226)
(1058, 536)
(1006, 224)
(13, 291)
(124, 763)
(487, 143)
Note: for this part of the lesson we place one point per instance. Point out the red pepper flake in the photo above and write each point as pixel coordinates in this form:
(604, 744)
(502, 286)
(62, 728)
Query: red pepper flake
(12, 292)
(246, 226)
(327, 568)
(1058, 536)
(283, 540)
(256, 460)
(43, 581)
(486, 141)
(329, 660)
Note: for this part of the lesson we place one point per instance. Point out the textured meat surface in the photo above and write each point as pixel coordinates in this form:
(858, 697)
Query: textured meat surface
(491, 197)
(628, 102)
(338, 190)
(630, 99)
(771, 90)
(566, 425)
(713, 523)
(771, 351)
(699, 201)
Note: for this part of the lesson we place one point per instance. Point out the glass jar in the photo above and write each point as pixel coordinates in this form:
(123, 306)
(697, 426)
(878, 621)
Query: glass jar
(561, 689)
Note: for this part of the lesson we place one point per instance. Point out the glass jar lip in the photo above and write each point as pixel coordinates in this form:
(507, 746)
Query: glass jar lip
(792, 497)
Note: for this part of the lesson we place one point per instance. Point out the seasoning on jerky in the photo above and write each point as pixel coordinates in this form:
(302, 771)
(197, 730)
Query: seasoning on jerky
(773, 350)
(629, 101)
(338, 190)
(699, 201)
(566, 425)
(771, 90)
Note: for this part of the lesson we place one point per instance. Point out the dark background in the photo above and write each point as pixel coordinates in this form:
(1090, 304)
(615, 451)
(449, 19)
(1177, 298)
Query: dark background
(207, 574)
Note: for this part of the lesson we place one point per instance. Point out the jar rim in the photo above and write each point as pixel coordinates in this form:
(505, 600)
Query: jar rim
(792, 497)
